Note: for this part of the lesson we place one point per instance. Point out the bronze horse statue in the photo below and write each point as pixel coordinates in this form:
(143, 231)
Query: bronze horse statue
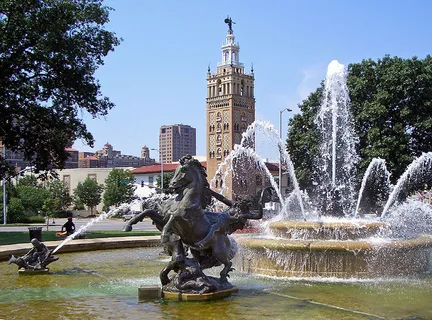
(183, 221)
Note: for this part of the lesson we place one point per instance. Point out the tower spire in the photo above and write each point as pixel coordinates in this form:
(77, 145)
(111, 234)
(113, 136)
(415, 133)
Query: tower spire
(230, 49)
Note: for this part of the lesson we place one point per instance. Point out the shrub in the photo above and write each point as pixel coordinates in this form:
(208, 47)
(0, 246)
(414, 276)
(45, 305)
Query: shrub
(15, 211)
(34, 219)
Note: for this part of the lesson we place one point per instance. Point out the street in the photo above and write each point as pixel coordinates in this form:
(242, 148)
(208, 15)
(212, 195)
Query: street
(108, 224)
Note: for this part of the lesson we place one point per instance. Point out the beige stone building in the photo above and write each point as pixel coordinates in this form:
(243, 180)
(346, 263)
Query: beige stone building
(71, 177)
(230, 109)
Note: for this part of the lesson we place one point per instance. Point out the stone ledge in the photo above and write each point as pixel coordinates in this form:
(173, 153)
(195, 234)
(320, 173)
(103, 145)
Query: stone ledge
(83, 245)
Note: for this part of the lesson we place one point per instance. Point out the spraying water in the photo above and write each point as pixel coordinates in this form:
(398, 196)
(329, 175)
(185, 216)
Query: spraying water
(85, 227)
(376, 168)
(338, 141)
(413, 175)
(245, 149)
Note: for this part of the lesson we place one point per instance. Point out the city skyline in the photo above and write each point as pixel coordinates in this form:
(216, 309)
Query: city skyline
(157, 76)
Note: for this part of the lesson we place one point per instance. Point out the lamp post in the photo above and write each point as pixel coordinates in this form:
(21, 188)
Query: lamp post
(4, 188)
(280, 154)
(161, 161)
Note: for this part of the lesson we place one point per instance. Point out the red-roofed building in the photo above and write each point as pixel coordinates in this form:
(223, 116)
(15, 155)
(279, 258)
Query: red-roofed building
(147, 175)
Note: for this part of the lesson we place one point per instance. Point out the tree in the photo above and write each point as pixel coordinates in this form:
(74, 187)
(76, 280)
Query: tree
(32, 198)
(119, 188)
(29, 180)
(303, 139)
(15, 211)
(166, 180)
(391, 103)
(60, 193)
(49, 52)
(50, 207)
(89, 192)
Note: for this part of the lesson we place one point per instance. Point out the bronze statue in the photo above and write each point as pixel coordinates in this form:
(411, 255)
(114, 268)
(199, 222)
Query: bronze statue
(37, 258)
(188, 229)
(229, 21)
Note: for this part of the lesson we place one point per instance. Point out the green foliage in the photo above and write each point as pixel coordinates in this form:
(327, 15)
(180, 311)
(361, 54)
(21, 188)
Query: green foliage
(32, 198)
(59, 193)
(49, 53)
(119, 188)
(89, 193)
(34, 219)
(303, 139)
(166, 180)
(15, 211)
(391, 104)
(50, 206)
(29, 180)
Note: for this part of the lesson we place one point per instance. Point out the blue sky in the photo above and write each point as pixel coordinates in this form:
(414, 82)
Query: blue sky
(157, 76)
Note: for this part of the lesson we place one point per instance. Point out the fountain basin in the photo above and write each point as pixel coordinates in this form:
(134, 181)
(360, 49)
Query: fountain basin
(317, 230)
(353, 257)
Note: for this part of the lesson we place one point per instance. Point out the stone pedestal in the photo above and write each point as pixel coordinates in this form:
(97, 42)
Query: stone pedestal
(33, 271)
(182, 296)
(146, 292)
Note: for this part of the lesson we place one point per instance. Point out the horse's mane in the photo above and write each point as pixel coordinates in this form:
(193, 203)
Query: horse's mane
(206, 195)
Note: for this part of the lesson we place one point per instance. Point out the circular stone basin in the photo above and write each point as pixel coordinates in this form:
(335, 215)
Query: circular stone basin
(317, 254)
(104, 285)
(340, 230)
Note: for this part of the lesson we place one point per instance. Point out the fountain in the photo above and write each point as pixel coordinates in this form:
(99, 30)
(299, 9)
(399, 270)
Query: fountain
(331, 237)
(346, 235)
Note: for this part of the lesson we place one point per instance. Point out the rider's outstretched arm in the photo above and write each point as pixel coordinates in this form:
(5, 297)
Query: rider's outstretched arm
(221, 198)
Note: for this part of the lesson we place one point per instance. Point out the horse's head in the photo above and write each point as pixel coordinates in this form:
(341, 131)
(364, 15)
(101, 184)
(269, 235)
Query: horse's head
(191, 173)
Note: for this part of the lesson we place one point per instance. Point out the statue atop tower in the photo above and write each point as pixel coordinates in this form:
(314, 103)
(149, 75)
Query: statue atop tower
(229, 21)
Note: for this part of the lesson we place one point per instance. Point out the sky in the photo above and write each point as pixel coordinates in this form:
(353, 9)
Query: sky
(157, 76)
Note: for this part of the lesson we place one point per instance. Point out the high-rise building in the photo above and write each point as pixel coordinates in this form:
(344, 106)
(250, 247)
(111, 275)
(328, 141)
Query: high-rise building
(230, 109)
(176, 141)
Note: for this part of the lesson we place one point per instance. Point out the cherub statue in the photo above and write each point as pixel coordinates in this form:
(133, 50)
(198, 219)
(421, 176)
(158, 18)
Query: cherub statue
(37, 258)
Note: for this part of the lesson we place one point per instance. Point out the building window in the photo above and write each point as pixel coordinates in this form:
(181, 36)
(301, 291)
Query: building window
(67, 181)
(150, 180)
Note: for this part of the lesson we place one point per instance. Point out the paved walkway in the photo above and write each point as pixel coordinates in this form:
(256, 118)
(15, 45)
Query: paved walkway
(83, 245)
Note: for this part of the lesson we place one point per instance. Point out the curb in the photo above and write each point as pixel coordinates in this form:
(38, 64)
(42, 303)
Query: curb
(77, 245)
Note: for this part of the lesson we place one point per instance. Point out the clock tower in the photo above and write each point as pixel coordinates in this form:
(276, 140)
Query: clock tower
(230, 109)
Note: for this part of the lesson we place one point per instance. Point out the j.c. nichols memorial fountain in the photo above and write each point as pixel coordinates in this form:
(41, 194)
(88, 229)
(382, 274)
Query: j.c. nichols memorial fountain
(326, 234)
(322, 236)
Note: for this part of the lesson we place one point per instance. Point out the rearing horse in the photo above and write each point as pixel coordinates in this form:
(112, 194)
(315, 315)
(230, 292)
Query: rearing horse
(186, 218)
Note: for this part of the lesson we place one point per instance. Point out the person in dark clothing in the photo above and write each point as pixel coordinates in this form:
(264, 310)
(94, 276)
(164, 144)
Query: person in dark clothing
(69, 226)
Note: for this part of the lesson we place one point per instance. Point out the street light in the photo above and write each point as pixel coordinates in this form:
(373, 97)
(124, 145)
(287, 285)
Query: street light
(4, 187)
(161, 160)
(281, 149)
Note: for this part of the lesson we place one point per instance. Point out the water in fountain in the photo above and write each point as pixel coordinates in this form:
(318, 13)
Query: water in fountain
(245, 151)
(377, 179)
(338, 159)
(88, 225)
(360, 247)
(413, 178)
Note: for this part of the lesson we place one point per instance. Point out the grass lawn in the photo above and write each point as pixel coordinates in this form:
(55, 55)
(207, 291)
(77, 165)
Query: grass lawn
(23, 236)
